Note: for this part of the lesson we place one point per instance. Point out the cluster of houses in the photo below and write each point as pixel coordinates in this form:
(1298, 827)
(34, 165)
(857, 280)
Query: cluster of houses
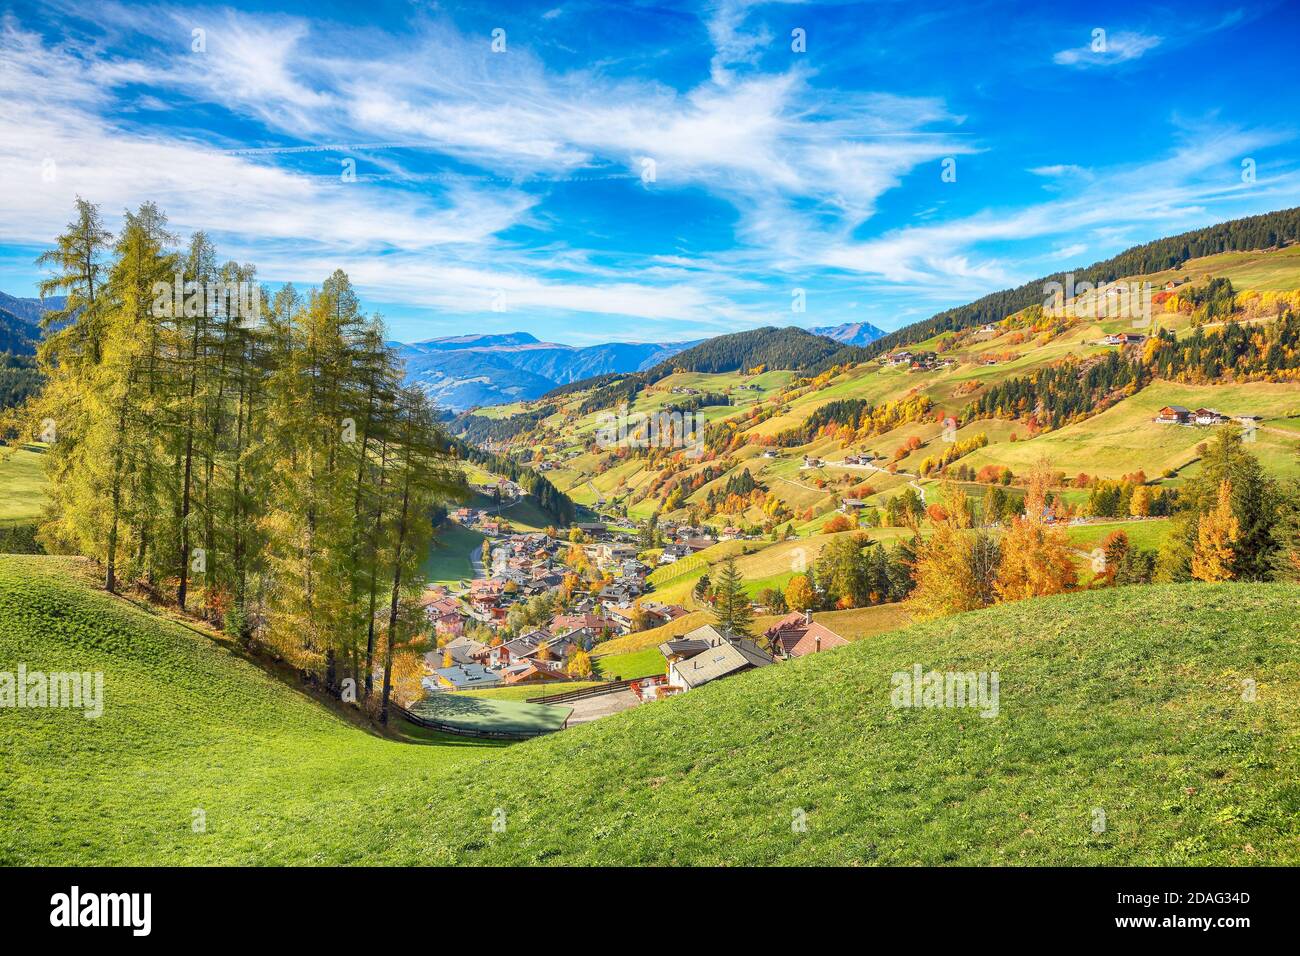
(1178, 415)
(1124, 338)
(865, 458)
(522, 566)
(682, 540)
(710, 653)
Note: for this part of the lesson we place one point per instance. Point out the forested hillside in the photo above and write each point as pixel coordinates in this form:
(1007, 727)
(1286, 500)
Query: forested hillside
(1254, 232)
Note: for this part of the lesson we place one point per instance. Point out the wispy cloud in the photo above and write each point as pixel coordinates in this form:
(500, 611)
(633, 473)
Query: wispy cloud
(1107, 49)
(486, 179)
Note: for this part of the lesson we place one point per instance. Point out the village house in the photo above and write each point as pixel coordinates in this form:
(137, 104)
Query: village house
(698, 542)
(566, 623)
(623, 618)
(662, 613)
(798, 634)
(923, 362)
(707, 654)
(460, 677)
(608, 553)
(852, 504)
(537, 645)
(462, 650)
(672, 552)
(1173, 415)
(533, 671)
(1124, 338)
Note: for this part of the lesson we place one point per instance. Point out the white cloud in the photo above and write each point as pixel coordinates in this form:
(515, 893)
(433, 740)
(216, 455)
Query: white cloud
(1110, 48)
(804, 168)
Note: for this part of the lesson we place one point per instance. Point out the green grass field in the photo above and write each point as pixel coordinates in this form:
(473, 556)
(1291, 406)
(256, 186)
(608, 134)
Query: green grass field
(188, 726)
(23, 485)
(1124, 438)
(449, 558)
(1127, 700)
(1149, 534)
(632, 664)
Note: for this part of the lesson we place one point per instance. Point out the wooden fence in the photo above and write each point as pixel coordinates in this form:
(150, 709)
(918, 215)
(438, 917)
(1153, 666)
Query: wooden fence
(609, 687)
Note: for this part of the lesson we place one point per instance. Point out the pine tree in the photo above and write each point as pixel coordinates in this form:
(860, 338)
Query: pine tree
(731, 609)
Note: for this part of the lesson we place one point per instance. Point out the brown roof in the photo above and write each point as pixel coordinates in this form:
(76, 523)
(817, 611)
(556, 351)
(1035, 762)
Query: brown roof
(817, 637)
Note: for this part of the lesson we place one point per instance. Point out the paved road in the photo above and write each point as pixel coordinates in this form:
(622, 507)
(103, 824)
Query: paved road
(593, 708)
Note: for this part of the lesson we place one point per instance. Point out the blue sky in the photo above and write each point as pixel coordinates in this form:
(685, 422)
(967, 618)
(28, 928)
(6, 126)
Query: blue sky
(647, 171)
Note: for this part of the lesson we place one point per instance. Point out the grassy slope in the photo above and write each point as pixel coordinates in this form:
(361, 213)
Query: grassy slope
(1125, 437)
(1129, 701)
(22, 484)
(187, 725)
(632, 664)
(449, 556)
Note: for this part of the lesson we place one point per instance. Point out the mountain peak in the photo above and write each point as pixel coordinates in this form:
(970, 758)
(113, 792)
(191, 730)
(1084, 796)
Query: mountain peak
(479, 341)
(850, 333)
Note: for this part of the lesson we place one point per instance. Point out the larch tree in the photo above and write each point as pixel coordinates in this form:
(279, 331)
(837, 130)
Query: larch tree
(1036, 558)
(954, 570)
(1217, 534)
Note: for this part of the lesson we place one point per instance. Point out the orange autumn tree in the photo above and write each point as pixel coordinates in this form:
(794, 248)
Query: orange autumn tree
(1036, 558)
(408, 675)
(837, 524)
(1216, 537)
(799, 594)
(954, 569)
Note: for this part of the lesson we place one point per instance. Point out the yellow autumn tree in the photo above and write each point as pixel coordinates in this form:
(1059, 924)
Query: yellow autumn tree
(1140, 503)
(1216, 535)
(580, 665)
(799, 594)
(954, 569)
(1036, 557)
(408, 674)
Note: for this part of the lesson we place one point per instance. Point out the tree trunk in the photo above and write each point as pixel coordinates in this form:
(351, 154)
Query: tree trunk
(392, 608)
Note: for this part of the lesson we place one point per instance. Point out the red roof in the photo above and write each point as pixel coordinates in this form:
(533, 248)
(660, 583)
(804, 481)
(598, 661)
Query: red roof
(816, 638)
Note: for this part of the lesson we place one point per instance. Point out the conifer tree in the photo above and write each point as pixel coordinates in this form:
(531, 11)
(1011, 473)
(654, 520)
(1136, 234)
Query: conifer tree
(731, 609)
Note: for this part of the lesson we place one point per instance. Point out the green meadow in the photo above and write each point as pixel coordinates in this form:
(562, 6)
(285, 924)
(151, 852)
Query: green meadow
(1126, 702)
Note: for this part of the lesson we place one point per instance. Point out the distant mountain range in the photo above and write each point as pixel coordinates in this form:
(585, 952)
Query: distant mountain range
(463, 371)
(851, 333)
(20, 322)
